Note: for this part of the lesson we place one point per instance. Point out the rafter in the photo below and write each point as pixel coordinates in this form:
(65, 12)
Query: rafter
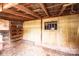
(17, 14)
(44, 9)
(72, 9)
(8, 5)
(50, 7)
(55, 5)
(26, 10)
(62, 10)
(64, 7)
(11, 17)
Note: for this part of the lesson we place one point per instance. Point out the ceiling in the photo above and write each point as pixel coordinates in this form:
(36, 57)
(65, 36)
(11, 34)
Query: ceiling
(33, 11)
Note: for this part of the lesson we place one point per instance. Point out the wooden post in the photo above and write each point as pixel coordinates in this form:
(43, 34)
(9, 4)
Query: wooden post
(2, 6)
(41, 30)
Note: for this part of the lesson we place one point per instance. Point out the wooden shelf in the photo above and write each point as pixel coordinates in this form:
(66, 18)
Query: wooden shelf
(16, 36)
(16, 30)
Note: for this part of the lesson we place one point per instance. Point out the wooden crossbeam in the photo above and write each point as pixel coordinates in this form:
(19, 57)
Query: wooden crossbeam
(17, 14)
(44, 9)
(50, 7)
(11, 17)
(55, 5)
(26, 10)
(64, 7)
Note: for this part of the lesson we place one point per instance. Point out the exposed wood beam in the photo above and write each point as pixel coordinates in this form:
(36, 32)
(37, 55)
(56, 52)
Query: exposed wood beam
(7, 18)
(17, 14)
(26, 10)
(7, 5)
(11, 17)
(55, 5)
(72, 9)
(50, 7)
(44, 9)
(62, 10)
(64, 7)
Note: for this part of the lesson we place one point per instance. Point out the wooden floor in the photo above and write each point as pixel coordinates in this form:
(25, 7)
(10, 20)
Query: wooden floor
(24, 48)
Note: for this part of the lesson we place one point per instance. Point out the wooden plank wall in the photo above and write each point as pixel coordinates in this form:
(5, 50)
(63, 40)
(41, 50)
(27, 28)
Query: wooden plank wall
(67, 34)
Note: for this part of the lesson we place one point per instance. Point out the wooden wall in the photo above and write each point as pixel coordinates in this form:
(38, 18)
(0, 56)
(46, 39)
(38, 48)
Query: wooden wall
(4, 31)
(32, 31)
(66, 37)
(4, 24)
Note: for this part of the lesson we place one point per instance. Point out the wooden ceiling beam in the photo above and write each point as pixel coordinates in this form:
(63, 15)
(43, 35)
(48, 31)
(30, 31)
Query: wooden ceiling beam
(64, 7)
(7, 5)
(26, 10)
(50, 7)
(54, 6)
(44, 9)
(17, 14)
(62, 10)
(11, 17)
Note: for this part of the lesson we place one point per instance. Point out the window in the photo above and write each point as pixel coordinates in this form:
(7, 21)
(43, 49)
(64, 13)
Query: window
(50, 25)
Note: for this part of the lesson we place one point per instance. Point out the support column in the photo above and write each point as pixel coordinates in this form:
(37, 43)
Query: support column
(41, 30)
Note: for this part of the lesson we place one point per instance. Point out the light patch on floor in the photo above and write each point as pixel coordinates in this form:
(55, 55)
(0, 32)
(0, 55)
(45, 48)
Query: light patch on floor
(27, 48)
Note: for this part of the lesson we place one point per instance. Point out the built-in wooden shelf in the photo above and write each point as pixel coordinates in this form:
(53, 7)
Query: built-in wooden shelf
(16, 30)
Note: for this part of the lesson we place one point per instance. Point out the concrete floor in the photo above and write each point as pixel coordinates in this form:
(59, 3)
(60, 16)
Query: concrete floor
(24, 48)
